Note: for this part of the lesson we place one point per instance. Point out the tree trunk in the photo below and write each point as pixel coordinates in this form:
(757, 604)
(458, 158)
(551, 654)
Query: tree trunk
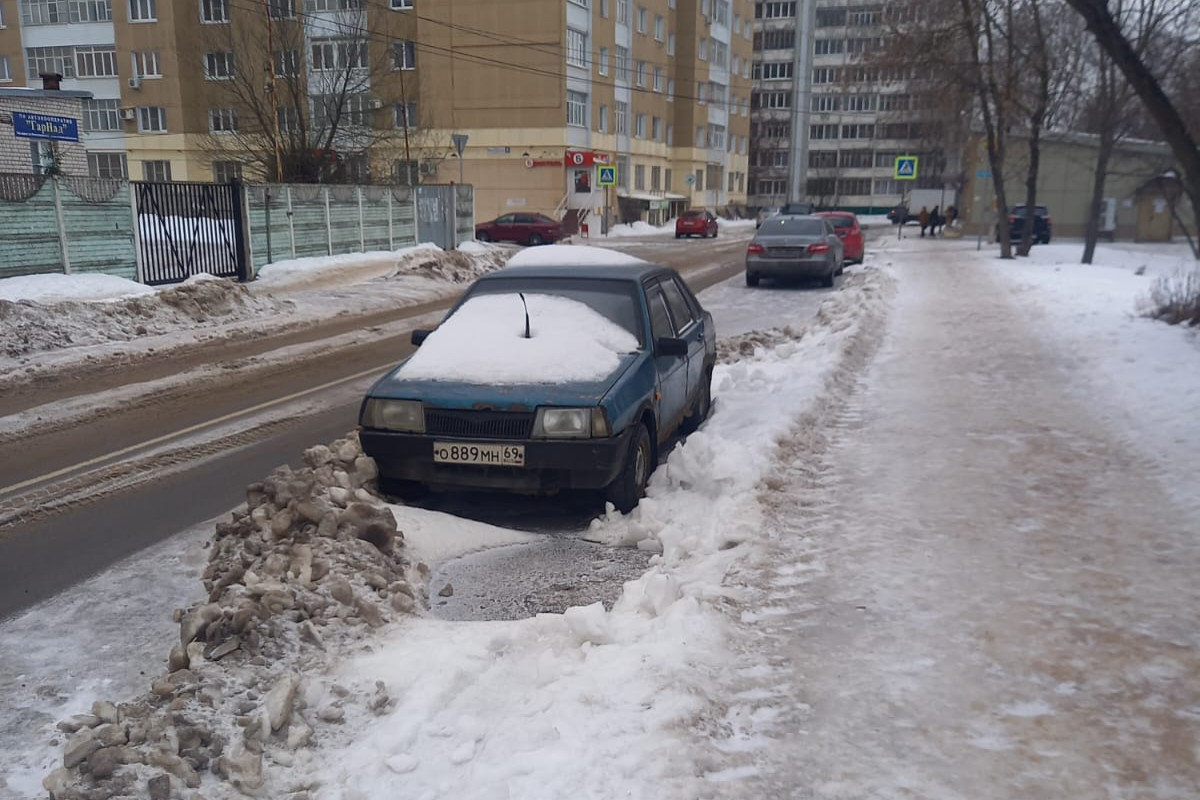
(1110, 37)
(1091, 233)
(1031, 176)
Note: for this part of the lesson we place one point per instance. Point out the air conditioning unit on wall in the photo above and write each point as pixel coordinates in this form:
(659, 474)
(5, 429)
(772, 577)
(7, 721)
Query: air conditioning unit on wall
(135, 82)
(128, 113)
(429, 168)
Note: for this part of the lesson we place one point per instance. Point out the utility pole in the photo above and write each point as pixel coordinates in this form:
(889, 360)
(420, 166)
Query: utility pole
(271, 73)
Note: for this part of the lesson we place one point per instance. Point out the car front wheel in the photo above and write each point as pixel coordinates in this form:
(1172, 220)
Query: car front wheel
(628, 488)
(534, 239)
(482, 236)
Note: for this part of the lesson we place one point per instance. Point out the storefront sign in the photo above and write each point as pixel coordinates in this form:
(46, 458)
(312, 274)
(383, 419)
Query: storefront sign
(586, 158)
(45, 126)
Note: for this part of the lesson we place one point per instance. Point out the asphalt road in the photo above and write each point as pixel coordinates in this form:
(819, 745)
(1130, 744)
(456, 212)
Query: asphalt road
(111, 497)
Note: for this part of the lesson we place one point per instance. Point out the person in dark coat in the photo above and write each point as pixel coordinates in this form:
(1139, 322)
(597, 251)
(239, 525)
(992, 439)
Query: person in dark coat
(923, 219)
(935, 219)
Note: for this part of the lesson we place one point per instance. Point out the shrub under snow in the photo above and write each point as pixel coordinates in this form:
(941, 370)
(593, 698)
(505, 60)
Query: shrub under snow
(1175, 299)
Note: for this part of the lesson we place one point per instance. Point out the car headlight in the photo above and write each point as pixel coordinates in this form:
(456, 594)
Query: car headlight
(404, 416)
(570, 423)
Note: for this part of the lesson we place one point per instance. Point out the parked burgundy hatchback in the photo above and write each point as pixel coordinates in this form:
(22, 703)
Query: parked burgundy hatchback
(530, 229)
(696, 223)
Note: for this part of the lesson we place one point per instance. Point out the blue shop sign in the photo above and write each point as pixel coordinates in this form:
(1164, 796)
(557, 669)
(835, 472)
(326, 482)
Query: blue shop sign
(45, 126)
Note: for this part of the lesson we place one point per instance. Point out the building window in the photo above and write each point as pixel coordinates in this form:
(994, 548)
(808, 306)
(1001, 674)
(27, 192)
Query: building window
(670, 90)
(404, 115)
(101, 115)
(289, 119)
(702, 51)
(602, 61)
(828, 47)
(658, 79)
(333, 5)
(218, 66)
(329, 55)
(108, 165)
(639, 177)
(401, 5)
(859, 102)
(61, 12)
(226, 171)
(404, 55)
(737, 23)
(699, 180)
(858, 131)
(774, 10)
(701, 136)
(854, 186)
(577, 103)
(641, 19)
(656, 129)
(5, 70)
(145, 64)
(281, 9)
(655, 179)
(670, 44)
(893, 130)
(822, 159)
(721, 12)
(156, 171)
(96, 62)
(894, 102)
(622, 172)
(143, 10)
(603, 8)
(222, 120)
(602, 123)
(287, 63)
(212, 11)
(641, 73)
(621, 62)
(769, 100)
(864, 17)
(406, 173)
(822, 132)
(639, 130)
(773, 71)
(660, 27)
(831, 17)
(887, 186)
(716, 136)
(825, 75)
(583, 3)
(112, 166)
(720, 53)
(152, 119)
(622, 117)
(666, 180)
(622, 12)
(671, 142)
(576, 48)
(826, 103)
(59, 60)
(856, 158)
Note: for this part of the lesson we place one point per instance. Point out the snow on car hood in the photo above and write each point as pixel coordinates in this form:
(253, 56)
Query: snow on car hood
(484, 342)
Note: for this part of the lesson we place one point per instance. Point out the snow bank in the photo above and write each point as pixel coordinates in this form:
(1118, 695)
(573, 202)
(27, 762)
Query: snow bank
(349, 267)
(60, 288)
(484, 342)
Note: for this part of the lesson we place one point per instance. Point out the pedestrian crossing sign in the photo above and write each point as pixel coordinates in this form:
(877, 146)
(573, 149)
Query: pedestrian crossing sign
(906, 168)
(606, 176)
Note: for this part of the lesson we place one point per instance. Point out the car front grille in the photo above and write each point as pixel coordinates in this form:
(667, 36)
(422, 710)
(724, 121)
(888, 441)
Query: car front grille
(481, 424)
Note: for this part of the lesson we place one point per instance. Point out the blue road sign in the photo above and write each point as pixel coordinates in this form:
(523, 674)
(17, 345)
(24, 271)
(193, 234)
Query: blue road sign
(906, 168)
(606, 176)
(45, 126)
(983, 174)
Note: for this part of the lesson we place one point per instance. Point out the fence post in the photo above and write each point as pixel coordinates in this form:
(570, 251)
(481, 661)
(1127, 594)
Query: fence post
(138, 260)
(391, 225)
(452, 219)
(241, 213)
(267, 220)
(328, 223)
(62, 229)
(362, 233)
(291, 220)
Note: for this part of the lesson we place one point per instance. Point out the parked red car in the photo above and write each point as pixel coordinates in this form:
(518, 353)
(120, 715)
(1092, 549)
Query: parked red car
(696, 223)
(845, 225)
(530, 229)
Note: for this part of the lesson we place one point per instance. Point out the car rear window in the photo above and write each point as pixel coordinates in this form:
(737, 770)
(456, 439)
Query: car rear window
(616, 300)
(792, 226)
(693, 213)
(841, 222)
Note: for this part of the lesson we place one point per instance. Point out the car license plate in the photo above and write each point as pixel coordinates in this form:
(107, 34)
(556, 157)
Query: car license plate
(498, 455)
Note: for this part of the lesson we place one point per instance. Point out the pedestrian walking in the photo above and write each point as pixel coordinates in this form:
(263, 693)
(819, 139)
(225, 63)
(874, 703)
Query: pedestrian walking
(923, 219)
(935, 219)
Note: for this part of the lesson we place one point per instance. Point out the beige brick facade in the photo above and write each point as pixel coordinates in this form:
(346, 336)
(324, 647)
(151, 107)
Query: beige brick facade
(17, 154)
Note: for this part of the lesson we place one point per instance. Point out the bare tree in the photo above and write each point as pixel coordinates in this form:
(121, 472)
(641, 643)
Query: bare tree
(1113, 40)
(308, 99)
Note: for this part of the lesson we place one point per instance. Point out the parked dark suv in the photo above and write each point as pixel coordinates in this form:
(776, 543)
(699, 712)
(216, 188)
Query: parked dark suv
(1016, 224)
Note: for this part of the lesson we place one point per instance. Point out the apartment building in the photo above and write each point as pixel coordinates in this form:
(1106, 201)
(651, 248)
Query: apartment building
(827, 122)
(545, 91)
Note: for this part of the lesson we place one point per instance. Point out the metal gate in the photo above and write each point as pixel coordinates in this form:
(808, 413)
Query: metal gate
(184, 229)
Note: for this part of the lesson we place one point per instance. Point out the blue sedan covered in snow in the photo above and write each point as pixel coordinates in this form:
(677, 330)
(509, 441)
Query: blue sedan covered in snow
(547, 376)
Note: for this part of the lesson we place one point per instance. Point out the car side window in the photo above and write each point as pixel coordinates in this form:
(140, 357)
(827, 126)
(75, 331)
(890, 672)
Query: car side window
(693, 303)
(680, 311)
(524, 219)
(507, 219)
(660, 318)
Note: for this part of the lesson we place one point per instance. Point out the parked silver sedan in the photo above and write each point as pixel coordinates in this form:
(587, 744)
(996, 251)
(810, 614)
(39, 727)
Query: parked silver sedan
(794, 247)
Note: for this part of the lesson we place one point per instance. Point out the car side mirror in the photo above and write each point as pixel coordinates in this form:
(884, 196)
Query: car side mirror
(418, 337)
(668, 346)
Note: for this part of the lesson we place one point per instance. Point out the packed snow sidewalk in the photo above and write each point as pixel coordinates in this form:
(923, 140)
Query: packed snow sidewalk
(982, 574)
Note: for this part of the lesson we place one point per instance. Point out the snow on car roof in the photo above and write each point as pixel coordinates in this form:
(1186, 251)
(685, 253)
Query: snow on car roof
(484, 342)
(557, 254)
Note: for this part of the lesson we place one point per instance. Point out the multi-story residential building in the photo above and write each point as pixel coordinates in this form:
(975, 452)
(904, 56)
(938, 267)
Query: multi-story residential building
(375, 89)
(828, 120)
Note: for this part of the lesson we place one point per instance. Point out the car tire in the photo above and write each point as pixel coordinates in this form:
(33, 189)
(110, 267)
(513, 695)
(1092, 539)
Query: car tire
(482, 236)
(703, 406)
(714, 234)
(401, 489)
(679, 236)
(751, 279)
(534, 240)
(629, 487)
(829, 279)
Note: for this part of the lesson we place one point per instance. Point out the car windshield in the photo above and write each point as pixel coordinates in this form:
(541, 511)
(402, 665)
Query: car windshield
(613, 299)
(792, 226)
(1019, 211)
(544, 218)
